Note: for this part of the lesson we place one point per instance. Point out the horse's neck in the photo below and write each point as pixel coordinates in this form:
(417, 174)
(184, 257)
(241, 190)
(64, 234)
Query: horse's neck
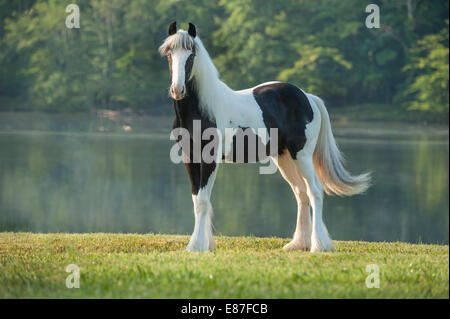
(215, 97)
(188, 109)
(186, 105)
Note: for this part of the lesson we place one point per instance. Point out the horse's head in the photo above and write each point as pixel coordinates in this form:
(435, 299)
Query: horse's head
(179, 47)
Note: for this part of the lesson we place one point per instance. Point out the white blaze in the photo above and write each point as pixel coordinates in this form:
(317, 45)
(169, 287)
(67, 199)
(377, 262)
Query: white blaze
(179, 58)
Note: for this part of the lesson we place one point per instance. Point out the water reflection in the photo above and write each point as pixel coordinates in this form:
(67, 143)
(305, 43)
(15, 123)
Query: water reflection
(84, 182)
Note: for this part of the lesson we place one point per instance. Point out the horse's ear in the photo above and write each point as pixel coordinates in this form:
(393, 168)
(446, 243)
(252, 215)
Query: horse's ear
(173, 28)
(192, 32)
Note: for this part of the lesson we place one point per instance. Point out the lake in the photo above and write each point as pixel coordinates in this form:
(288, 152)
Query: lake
(78, 175)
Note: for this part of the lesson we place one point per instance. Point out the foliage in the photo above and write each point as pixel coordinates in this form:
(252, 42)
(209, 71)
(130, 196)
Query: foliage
(322, 46)
(429, 65)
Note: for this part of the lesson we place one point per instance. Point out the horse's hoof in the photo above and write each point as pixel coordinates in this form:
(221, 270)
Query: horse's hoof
(197, 247)
(296, 245)
(326, 245)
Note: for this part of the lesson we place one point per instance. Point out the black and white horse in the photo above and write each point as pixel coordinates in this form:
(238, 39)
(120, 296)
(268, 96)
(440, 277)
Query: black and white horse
(308, 157)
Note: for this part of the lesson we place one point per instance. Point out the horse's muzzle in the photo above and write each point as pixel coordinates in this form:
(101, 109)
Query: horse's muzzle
(177, 93)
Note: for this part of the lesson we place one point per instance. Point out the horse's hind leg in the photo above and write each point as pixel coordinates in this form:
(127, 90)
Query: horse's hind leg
(320, 240)
(291, 173)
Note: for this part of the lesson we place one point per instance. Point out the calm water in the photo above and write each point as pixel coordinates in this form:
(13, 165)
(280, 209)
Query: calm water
(101, 182)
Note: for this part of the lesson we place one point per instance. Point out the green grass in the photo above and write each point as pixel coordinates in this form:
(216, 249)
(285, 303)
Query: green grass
(156, 266)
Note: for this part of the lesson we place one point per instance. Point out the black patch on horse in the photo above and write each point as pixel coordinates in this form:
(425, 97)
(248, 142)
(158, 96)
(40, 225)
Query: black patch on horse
(186, 111)
(189, 64)
(248, 141)
(286, 107)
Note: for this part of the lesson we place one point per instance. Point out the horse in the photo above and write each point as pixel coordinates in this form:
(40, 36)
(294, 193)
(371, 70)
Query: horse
(307, 154)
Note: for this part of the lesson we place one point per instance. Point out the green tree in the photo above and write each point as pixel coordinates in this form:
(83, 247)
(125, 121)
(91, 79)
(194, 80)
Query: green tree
(322, 46)
(429, 73)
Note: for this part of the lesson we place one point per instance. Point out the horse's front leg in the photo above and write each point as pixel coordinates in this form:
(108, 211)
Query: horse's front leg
(202, 178)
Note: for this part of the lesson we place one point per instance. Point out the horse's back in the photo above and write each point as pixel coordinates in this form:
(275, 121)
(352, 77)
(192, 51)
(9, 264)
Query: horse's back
(286, 107)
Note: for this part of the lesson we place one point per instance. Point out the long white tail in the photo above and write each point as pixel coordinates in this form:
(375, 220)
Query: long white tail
(328, 161)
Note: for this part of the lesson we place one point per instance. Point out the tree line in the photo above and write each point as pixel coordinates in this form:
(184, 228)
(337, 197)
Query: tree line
(323, 46)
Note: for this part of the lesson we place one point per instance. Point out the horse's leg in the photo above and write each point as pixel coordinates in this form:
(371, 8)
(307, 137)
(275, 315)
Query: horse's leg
(202, 238)
(291, 173)
(193, 170)
(320, 240)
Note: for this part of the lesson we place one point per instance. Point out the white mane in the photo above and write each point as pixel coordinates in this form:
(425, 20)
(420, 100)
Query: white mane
(212, 92)
(181, 39)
